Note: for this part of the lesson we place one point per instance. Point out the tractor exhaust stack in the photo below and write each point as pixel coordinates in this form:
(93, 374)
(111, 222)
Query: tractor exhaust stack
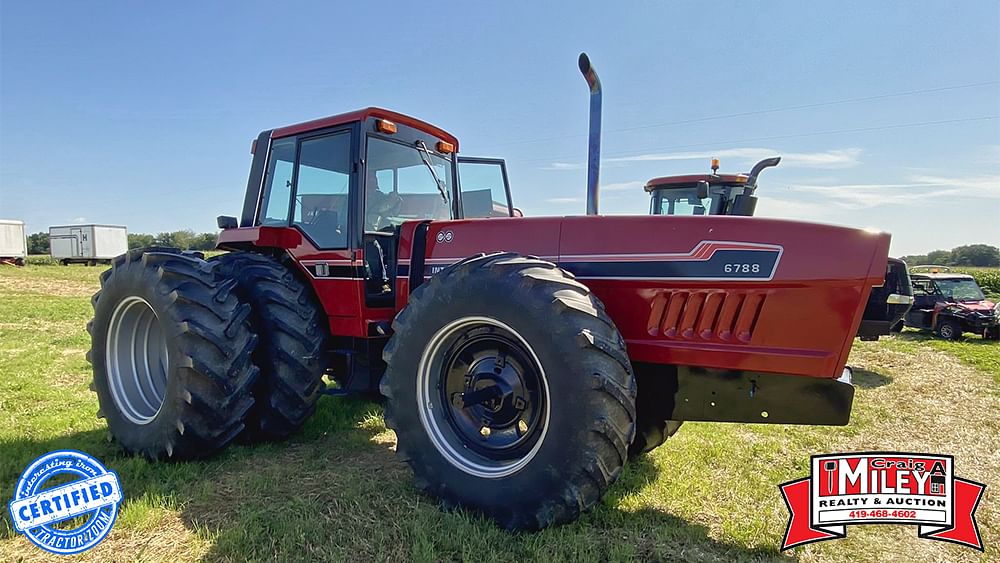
(757, 169)
(594, 148)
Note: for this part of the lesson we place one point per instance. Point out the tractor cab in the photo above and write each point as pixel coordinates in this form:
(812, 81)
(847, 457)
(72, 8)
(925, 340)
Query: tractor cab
(343, 185)
(707, 194)
(697, 194)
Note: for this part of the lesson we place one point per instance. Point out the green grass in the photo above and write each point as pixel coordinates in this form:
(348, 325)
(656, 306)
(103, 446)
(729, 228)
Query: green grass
(336, 491)
(972, 350)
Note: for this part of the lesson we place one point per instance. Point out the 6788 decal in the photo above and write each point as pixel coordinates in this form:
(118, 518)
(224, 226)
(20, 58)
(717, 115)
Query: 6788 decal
(742, 268)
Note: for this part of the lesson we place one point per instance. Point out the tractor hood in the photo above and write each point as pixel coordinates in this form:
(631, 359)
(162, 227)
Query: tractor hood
(719, 292)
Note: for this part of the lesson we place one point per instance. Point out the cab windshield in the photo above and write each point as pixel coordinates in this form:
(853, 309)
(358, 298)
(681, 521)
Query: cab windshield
(399, 184)
(960, 289)
(681, 201)
(685, 201)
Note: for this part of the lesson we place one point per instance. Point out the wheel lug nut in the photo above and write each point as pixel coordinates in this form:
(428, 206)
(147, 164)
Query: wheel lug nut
(485, 431)
(522, 426)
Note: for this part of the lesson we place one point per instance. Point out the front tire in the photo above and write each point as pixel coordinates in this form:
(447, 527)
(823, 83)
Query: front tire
(289, 323)
(650, 434)
(949, 330)
(505, 374)
(170, 348)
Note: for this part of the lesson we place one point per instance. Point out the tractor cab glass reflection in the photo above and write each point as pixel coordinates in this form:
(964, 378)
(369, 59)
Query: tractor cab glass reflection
(399, 185)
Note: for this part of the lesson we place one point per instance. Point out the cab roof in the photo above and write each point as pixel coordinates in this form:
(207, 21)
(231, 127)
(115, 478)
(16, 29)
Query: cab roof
(941, 276)
(361, 115)
(692, 179)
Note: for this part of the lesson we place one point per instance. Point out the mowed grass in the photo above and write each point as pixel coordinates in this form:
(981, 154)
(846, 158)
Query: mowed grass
(336, 491)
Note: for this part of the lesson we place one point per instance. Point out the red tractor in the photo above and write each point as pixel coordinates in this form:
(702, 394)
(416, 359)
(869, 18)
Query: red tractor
(523, 360)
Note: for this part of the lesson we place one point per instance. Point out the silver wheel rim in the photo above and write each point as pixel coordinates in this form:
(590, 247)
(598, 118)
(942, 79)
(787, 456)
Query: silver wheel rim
(136, 360)
(946, 331)
(427, 382)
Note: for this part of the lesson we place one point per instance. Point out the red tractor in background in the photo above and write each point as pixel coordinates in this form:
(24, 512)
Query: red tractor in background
(523, 360)
(735, 194)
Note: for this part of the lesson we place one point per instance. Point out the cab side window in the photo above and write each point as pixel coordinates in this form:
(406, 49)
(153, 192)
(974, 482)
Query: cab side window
(278, 183)
(484, 188)
(321, 189)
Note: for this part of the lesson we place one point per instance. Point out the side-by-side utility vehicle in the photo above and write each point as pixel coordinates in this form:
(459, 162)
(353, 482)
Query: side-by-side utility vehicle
(523, 359)
(735, 194)
(950, 304)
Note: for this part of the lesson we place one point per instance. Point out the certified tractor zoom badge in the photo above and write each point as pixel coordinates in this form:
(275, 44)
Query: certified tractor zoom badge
(92, 495)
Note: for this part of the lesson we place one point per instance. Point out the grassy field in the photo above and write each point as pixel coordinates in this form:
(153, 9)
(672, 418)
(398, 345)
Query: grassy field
(336, 492)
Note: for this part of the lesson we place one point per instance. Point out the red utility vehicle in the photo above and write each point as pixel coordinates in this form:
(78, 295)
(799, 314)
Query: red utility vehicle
(523, 359)
(950, 304)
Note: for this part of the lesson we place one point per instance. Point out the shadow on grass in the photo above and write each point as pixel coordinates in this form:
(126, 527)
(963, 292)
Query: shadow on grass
(336, 491)
(869, 379)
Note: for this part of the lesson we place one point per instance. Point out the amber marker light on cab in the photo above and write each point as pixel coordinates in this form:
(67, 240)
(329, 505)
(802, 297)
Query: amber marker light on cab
(385, 126)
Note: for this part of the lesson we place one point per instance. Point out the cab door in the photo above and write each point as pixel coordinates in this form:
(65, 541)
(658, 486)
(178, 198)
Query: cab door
(309, 186)
(484, 188)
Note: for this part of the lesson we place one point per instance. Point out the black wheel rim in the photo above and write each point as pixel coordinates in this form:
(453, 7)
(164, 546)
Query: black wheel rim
(493, 393)
(484, 398)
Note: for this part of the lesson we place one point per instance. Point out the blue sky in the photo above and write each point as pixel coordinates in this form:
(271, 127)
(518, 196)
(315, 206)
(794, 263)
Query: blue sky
(116, 113)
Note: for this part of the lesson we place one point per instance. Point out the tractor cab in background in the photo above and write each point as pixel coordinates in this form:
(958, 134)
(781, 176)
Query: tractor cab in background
(707, 194)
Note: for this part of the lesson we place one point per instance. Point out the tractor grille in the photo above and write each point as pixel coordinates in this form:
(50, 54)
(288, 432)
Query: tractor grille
(717, 315)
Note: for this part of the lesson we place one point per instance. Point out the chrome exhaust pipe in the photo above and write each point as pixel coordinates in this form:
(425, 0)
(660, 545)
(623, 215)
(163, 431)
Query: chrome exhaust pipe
(751, 184)
(594, 143)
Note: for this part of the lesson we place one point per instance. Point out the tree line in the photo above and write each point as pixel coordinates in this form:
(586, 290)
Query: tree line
(982, 255)
(38, 243)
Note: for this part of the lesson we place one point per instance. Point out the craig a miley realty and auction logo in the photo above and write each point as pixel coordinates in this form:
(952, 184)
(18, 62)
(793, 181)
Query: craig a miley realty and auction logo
(86, 490)
(914, 489)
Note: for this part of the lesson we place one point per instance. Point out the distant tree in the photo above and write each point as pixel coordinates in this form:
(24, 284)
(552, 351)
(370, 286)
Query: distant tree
(138, 240)
(938, 257)
(914, 259)
(176, 239)
(164, 239)
(203, 241)
(183, 239)
(38, 243)
(975, 255)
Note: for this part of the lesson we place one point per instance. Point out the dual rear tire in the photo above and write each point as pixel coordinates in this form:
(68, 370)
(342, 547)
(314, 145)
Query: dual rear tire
(290, 325)
(171, 347)
(188, 354)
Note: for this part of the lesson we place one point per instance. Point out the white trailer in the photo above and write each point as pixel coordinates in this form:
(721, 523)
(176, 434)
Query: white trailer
(13, 243)
(87, 244)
